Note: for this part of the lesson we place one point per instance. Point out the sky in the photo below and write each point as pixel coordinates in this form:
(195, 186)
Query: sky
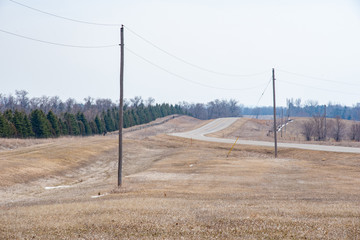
(193, 51)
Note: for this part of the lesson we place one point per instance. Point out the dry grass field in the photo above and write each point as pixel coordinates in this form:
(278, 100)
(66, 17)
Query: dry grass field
(176, 188)
(257, 129)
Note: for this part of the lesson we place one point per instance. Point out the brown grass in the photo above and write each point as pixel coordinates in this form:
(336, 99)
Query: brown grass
(177, 188)
(257, 129)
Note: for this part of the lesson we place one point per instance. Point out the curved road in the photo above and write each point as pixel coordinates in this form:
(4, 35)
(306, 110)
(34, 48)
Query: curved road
(222, 123)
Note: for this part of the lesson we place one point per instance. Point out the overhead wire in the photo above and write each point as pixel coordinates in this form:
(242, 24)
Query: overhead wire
(141, 37)
(189, 63)
(317, 78)
(66, 18)
(171, 55)
(55, 43)
(262, 94)
(184, 78)
(317, 88)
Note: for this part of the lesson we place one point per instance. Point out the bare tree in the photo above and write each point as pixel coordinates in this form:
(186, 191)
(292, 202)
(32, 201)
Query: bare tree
(103, 104)
(354, 133)
(56, 104)
(22, 100)
(136, 101)
(10, 102)
(338, 129)
(319, 127)
(34, 103)
(89, 101)
(308, 129)
(150, 101)
(70, 103)
(199, 111)
(44, 104)
(2, 102)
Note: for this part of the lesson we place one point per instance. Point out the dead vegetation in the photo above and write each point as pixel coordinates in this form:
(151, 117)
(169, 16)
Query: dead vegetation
(178, 188)
(300, 130)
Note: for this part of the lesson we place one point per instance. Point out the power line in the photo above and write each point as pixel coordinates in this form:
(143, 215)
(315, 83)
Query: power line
(66, 18)
(267, 85)
(189, 63)
(186, 79)
(54, 43)
(322, 89)
(317, 78)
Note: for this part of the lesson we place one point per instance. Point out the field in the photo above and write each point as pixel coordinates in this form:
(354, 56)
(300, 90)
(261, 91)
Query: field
(175, 188)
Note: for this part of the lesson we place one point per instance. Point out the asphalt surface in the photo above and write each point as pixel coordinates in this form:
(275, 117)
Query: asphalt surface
(222, 123)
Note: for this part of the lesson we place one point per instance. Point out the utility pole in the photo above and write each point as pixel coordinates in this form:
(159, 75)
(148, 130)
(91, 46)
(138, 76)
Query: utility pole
(121, 104)
(288, 117)
(282, 121)
(325, 124)
(275, 129)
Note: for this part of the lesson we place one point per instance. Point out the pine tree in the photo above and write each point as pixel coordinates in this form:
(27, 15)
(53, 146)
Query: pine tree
(126, 122)
(81, 117)
(64, 127)
(109, 122)
(54, 122)
(28, 128)
(93, 127)
(72, 124)
(99, 125)
(4, 127)
(136, 120)
(8, 114)
(82, 128)
(18, 121)
(141, 114)
(40, 124)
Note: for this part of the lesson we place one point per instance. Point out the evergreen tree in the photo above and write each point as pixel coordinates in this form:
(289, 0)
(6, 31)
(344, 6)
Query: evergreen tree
(141, 114)
(54, 122)
(6, 130)
(81, 117)
(72, 124)
(109, 122)
(40, 124)
(126, 122)
(136, 120)
(64, 128)
(18, 121)
(82, 128)
(28, 128)
(99, 125)
(8, 114)
(93, 127)
(115, 116)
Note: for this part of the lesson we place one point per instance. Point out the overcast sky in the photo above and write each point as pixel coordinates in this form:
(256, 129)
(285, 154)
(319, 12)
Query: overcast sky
(314, 46)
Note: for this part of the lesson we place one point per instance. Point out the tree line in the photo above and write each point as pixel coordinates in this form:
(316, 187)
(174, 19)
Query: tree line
(213, 109)
(20, 118)
(319, 128)
(298, 108)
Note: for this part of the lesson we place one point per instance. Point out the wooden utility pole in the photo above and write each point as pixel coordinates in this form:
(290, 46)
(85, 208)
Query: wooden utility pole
(121, 104)
(275, 129)
(282, 121)
(325, 123)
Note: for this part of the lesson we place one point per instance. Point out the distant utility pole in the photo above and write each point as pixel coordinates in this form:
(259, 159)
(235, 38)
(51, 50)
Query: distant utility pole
(325, 123)
(282, 121)
(275, 129)
(121, 104)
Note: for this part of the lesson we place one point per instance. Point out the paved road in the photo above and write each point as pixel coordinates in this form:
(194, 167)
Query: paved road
(222, 123)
